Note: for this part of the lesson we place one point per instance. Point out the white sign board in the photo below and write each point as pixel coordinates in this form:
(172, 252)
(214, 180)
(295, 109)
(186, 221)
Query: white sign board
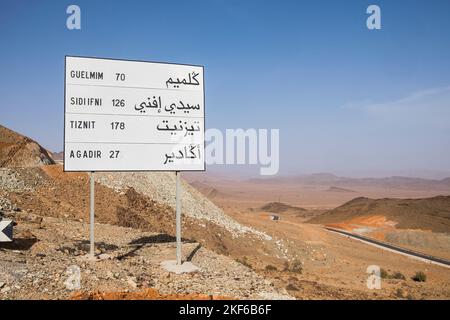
(124, 115)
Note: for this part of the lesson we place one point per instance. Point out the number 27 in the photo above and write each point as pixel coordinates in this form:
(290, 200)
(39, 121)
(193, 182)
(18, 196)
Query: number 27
(114, 154)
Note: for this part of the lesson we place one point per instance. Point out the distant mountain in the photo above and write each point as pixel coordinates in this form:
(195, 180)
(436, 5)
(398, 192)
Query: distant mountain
(337, 189)
(57, 156)
(425, 214)
(314, 179)
(325, 179)
(17, 150)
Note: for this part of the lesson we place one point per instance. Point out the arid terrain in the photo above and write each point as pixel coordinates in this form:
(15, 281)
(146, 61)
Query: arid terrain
(411, 213)
(229, 231)
(315, 191)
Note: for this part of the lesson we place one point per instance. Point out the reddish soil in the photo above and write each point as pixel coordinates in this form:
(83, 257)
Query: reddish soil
(148, 294)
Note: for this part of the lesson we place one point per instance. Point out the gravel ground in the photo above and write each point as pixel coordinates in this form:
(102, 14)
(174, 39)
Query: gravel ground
(37, 265)
(20, 179)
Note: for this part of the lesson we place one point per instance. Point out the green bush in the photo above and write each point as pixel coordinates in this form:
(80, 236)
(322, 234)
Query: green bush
(384, 274)
(297, 267)
(270, 267)
(420, 276)
(245, 262)
(398, 275)
(399, 293)
(291, 287)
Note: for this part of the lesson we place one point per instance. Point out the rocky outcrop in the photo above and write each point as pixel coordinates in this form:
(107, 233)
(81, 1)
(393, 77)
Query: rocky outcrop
(17, 150)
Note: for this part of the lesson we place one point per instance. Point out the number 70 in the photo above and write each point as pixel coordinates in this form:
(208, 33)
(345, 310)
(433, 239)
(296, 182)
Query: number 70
(120, 76)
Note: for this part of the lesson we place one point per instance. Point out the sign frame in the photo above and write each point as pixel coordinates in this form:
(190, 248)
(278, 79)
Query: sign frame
(136, 170)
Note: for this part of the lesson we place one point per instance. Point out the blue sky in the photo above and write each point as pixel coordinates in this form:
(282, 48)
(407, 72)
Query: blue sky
(346, 99)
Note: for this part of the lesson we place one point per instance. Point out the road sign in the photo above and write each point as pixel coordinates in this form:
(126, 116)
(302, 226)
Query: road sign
(125, 115)
(6, 231)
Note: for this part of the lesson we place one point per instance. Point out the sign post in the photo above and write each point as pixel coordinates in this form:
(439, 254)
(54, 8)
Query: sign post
(92, 217)
(122, 115)
(178, 217)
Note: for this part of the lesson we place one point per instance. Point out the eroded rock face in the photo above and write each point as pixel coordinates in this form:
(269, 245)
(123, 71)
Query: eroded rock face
(17, 150)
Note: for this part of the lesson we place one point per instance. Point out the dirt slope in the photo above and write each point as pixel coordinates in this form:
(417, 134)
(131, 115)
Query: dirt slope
(47, 191)
(425, 214)
(17, 150)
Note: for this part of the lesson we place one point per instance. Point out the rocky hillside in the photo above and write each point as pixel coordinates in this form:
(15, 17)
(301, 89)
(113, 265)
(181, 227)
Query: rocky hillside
(142, 201)
(135, 229)
(40, 262)
(160, 186)
(17, 150)
(139, 200)
(424, 214)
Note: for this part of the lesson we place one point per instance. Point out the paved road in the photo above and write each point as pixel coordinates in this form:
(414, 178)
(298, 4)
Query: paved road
(390, 247)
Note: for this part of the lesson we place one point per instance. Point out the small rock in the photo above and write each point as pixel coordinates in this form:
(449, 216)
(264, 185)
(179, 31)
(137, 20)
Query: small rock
(104, 256)
(25, 216)
(132, 282)
(5, 289)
